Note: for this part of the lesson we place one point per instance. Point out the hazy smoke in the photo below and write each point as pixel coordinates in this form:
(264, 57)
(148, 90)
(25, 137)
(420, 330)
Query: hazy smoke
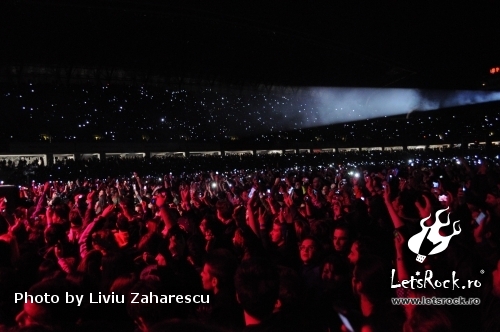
(337, 105)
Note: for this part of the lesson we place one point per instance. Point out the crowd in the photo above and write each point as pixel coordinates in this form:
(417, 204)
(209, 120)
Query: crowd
(86, 112)
(26, 169)
(273, 248)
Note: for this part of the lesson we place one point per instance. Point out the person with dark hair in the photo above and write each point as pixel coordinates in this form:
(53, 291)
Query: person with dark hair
(362, 247)
(336, 291)
(185, 325)
(58, 213)
(341, 240)
(287, 312)
(146, 315)
(47, 268)
(113, 265)
(21, 225)
(213, 233)
(490, 304)
(9, 243)
(55, 236)
(83, 281)
(218, 271)
(217, 278)
(225, 215)
(103, 240)
(75, 222)
(121, 234)
(35, 328)
(103, 317)
(283, 248)
(338, 212)
(54, 233)
(173, 265)
(369, 283)
(404, 206)
(257, 290)
(91, 265)
(246, 244)
(427, 318)
(310, 269)
(149, 242)
(320, 286)
(59, 316)
(493, 202)
(114, 316)
(302, 229)
(176, 243)
(335, 277)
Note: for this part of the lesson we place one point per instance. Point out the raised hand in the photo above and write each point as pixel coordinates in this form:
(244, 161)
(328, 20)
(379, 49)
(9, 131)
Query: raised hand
(3, 204)
(239, 215)
(254, 197)
(108, 210)
(387, 191)
(185, 194)
(424, 211)
(368, 183)
(91, 195)
(285, 216)
(479, 230)
(287, 198)
(58, 251)
(281, 216)
(399, 241)
(357, 191)
(402, 184)
(262, 216)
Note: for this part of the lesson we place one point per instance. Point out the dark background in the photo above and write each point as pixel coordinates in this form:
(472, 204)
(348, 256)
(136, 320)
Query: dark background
(387, 44)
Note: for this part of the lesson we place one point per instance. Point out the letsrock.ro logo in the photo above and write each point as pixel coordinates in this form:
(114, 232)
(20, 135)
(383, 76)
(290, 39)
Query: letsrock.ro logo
(429, 241)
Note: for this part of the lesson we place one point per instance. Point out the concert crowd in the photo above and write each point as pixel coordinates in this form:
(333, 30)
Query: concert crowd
(121, 113)
(275, 248)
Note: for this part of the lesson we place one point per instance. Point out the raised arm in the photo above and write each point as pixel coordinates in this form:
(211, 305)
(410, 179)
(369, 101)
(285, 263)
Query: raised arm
(165, 216)
(396, 220)
(185, 197)
(90, 212)
(251, 215)
(139, 183)
(83, 242)
(399, 243)
(42, 200)
(425, 210)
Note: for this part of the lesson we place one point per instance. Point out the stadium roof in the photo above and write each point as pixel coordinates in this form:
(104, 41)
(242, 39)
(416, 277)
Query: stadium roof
(357, 44)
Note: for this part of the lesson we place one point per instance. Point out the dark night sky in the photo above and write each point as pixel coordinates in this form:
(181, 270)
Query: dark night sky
(356, 44)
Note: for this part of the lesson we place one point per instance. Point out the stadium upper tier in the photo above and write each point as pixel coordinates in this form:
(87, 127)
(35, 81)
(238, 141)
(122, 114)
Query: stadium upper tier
(128, 114)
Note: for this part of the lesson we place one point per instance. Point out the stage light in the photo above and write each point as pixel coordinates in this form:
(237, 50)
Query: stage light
(330, 103)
